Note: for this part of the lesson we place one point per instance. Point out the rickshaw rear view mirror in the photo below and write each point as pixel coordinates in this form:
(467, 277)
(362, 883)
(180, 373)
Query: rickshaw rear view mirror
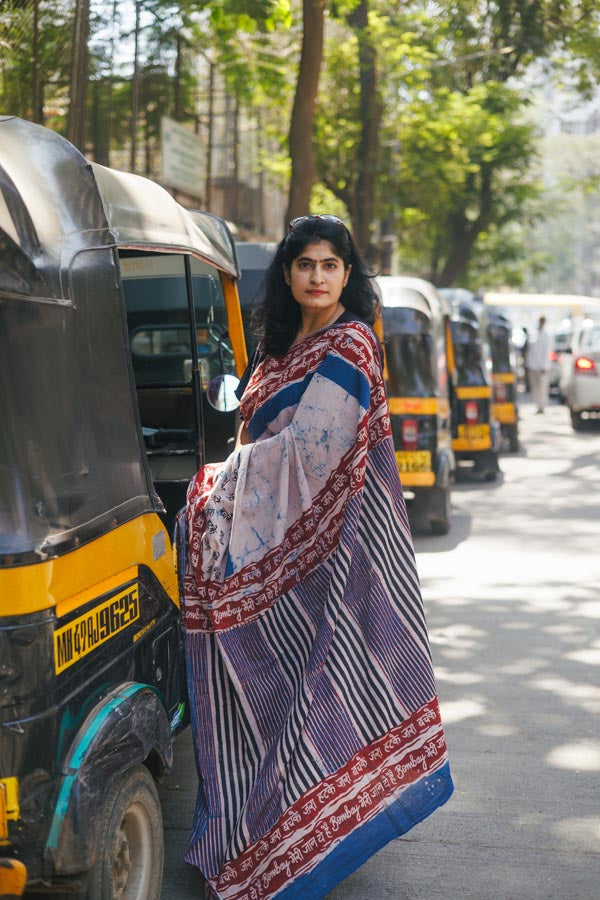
(221, 393)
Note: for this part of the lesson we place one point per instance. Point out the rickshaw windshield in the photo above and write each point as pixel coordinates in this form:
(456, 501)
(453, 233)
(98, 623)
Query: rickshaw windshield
(408, 349)
(500, 347)
(154, 288)
(468, 354)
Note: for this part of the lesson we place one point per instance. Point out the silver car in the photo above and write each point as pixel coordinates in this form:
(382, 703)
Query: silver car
(580, 377)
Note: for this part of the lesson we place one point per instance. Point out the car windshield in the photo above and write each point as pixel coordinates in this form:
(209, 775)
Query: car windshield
(590, 340)
(562, 340)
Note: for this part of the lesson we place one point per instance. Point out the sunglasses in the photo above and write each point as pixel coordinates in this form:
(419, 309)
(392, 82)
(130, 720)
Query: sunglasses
(300, 219)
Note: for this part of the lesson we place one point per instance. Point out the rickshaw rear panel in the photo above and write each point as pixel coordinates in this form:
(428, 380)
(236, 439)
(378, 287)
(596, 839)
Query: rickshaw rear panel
(418, 364)
(504, 376)
(475, 431)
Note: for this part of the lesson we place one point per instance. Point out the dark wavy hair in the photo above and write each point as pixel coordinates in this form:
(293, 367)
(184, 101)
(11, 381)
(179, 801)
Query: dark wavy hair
(276, 318)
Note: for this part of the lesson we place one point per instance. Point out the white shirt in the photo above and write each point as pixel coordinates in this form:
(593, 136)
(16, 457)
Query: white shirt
(538, 352)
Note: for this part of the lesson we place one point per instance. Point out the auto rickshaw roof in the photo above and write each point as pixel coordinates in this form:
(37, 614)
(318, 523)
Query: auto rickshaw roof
(414, 293)
(141, 213)
(54, 204)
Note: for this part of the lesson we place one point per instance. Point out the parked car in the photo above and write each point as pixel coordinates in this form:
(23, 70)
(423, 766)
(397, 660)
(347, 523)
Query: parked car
(580, 374)
(561, 347)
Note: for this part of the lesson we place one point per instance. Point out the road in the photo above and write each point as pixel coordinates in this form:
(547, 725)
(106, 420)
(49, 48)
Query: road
(512, 596)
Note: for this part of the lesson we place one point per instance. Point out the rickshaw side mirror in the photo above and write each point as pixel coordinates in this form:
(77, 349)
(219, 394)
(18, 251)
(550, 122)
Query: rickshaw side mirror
(221, 393)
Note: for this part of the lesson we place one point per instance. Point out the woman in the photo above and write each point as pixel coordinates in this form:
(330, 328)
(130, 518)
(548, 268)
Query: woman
(314, 711)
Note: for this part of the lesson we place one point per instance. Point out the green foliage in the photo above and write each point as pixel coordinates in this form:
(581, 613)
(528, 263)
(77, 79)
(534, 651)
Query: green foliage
(16, 57)
(460, 170)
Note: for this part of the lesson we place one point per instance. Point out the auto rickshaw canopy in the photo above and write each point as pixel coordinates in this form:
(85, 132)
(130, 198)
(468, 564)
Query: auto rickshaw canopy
(72, 461)
(54, 203)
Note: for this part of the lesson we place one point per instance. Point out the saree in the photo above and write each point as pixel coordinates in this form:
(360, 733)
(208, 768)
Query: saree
(313, 703)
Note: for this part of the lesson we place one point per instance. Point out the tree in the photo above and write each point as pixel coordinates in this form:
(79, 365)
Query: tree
(79, 75)
(460, 173)
(301, 125)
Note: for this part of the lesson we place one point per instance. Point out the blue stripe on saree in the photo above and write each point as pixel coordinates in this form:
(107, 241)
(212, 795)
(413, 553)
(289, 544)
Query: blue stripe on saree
(415, 804)
(335, 369)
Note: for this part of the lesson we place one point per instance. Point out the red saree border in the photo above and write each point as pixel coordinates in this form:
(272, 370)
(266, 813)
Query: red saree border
(306, 832)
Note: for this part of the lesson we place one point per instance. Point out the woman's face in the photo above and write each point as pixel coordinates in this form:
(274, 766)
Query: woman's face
(317, 278)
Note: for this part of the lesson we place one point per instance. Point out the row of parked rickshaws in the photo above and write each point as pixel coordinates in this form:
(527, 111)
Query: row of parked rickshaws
(121, 336)
(451, 392)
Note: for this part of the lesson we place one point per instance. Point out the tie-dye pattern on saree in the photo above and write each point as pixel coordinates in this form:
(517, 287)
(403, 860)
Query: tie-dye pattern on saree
(314, 709)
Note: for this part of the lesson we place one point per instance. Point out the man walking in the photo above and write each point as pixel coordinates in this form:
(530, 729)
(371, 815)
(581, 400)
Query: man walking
(538, 364)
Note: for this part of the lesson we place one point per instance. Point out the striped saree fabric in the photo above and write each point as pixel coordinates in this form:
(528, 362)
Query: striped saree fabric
(314, 712)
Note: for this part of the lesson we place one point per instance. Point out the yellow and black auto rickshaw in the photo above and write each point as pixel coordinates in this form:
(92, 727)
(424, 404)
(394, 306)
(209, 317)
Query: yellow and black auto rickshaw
(120, 328)
(475, 432)
(419, 374)
(504, 376)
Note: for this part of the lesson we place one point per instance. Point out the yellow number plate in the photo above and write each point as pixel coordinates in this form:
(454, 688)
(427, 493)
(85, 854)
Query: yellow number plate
(413, 460)
(473, 432)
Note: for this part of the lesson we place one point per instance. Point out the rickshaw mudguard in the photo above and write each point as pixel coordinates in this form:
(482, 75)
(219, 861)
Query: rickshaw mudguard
(129, 726)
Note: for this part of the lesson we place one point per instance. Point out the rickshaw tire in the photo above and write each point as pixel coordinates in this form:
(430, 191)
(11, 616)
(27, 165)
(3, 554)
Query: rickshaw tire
(513, 442)
(440, 524)
(130, 845)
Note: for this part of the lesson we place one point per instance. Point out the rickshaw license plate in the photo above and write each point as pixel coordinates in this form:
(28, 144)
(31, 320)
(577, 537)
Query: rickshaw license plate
(413, 460)
(473, 432)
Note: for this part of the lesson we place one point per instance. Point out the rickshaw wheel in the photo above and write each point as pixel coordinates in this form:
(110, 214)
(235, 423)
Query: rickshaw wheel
(513, 441)
(440, 511)
(130, 841)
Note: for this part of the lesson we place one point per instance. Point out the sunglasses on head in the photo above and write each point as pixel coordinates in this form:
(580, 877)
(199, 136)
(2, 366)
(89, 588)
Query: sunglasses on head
(300, 219)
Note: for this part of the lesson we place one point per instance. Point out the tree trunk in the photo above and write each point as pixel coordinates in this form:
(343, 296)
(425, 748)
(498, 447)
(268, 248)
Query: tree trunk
(99, 122)
(37, 107)
(235, 187)
(301, 124)
(79, 75)
(177, 80)
(465, 234)
(210, 138)
(135, 89)
(363, 205)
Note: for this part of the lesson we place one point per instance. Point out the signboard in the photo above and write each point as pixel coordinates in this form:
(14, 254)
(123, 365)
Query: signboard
(182, 158)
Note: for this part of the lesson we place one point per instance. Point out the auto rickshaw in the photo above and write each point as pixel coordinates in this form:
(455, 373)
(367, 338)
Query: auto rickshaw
(504, 406)
(253, 257)
(120, 328)
(476, 434)
(419, 372)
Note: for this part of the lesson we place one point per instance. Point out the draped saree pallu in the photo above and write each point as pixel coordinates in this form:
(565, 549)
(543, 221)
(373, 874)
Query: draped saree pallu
(314, 711)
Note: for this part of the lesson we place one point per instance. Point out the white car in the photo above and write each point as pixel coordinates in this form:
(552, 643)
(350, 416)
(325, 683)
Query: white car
(580, 374)
(561, 347)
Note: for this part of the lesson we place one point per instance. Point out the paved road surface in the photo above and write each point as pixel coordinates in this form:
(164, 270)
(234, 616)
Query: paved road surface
(513, 602)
